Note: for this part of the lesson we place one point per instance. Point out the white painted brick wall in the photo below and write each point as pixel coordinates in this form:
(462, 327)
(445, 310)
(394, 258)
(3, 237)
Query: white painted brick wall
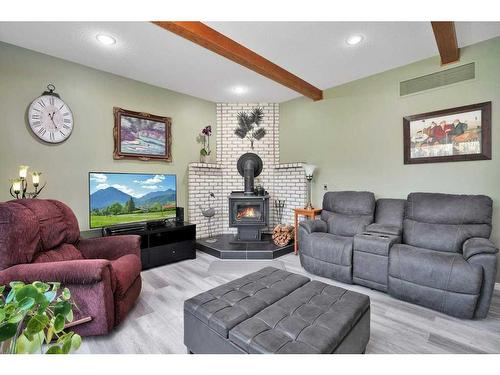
(285, 181)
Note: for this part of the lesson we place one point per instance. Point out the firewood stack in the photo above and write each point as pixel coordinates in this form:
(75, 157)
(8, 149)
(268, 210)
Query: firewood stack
(282, 234)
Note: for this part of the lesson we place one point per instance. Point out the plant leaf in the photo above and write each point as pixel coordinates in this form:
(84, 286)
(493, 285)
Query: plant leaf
(37, 323)
(59, 323)
(63, 308)
(2, 315)
(2, 288)
(7, 331)
(54, 349)
(42, 287)
(26, 304)
(26, 291)
(50, 296)
(16, 318)
(50, 334)
(76, 341)
(66, 294)
(66, 347)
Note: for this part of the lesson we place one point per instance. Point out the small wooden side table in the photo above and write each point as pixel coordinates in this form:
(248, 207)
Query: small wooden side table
(308, 213)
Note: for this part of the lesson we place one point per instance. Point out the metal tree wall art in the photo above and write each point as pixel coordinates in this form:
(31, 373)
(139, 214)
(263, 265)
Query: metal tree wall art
(249, 125)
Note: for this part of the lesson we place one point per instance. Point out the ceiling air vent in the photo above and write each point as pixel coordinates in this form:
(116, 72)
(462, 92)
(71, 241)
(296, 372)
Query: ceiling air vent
(442, 78)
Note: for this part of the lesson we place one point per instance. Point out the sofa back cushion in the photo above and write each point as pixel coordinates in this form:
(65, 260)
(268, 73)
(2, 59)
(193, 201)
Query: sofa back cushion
(444, 222)
(348, 212)
(390, 211)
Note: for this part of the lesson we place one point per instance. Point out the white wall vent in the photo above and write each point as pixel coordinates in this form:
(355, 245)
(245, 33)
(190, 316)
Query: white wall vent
(434, 80)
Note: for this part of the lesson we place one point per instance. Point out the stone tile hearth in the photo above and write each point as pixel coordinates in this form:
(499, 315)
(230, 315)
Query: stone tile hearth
(225, 248)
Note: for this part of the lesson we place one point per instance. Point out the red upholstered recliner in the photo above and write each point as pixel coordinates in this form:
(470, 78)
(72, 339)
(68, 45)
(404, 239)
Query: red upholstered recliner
(40, 240)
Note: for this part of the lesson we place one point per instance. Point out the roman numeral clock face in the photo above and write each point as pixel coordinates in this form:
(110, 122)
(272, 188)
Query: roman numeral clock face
(50, 119)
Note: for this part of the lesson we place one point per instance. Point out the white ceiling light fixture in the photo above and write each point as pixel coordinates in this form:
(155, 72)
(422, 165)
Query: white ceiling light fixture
(354, 39)
(107, 40)
(239, 90)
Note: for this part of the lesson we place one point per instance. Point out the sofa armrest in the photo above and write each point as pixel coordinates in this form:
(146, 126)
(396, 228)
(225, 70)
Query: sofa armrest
(311, 226)
(474, 246)
(85, 271)
(112, 247)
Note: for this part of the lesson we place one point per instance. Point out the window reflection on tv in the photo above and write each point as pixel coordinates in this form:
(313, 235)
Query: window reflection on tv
(119, 198)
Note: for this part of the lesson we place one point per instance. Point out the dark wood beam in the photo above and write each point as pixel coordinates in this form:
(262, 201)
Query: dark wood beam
(201, 34)
(446, 39)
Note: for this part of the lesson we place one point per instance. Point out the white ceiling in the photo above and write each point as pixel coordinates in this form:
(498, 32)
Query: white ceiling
(315, 51)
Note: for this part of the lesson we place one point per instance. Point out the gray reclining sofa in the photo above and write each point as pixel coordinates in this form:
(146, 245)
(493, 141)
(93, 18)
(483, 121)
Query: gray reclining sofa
(430, 249)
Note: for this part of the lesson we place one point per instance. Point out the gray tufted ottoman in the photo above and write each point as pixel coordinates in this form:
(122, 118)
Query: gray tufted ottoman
(275, 311)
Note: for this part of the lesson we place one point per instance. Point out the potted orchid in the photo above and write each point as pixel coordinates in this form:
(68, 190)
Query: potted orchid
(204, 138)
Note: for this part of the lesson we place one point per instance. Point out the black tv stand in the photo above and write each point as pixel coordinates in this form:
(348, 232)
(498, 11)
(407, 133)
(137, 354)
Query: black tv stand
(161, 244)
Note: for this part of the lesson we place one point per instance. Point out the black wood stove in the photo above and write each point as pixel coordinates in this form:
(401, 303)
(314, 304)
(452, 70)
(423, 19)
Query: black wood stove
(248, 211)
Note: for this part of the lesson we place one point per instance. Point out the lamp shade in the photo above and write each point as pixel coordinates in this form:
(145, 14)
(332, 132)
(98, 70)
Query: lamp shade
(309, 169)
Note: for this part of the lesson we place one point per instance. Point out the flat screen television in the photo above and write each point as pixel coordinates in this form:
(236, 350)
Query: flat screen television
(121, 198)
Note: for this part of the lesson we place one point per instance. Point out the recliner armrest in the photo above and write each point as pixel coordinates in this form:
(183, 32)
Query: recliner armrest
(393, 230)
(112, 247)
(82, 271)
(474, 246)
(314, 226)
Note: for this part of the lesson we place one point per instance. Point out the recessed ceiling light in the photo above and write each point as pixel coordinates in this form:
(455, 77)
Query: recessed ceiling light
(106, 39)
(239, 90)
(354, 39)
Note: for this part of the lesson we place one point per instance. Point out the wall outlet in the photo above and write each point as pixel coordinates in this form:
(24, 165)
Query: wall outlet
(325, 187)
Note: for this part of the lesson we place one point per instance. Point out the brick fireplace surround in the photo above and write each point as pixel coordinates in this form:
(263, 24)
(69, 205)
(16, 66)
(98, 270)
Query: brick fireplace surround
(282, 181)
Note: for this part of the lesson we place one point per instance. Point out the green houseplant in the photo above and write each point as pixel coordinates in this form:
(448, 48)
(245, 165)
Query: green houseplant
(32, 319)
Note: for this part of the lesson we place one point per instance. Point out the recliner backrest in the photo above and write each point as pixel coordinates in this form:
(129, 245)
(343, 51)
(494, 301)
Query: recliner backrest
(444, 222)
(348, 212)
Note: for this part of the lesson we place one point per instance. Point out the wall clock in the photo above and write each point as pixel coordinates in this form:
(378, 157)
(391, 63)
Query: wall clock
(50, 118)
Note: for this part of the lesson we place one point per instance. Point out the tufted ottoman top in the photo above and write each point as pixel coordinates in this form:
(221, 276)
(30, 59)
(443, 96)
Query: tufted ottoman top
(315, 318)
(226, 306)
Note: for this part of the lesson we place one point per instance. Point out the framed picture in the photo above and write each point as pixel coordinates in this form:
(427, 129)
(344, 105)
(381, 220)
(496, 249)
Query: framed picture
(142, 136)
(456, 134)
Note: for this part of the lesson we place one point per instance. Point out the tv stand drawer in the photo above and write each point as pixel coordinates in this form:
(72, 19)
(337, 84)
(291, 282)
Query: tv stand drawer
(169, 253)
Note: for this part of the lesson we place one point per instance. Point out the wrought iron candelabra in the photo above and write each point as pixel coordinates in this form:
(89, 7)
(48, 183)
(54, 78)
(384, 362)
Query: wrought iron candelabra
(19, 186)
(279, 205)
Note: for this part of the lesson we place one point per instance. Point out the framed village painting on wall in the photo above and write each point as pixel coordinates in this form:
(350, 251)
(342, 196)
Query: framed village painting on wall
(455, 134)
(142, 136)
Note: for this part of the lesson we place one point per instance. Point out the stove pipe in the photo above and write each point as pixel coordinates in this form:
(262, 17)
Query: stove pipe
(249, 166)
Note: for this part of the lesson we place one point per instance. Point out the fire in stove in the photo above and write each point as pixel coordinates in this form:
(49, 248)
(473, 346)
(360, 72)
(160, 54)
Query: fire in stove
(248, 212)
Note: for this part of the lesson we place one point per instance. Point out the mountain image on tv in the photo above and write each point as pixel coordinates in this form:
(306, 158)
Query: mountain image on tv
(117, 198)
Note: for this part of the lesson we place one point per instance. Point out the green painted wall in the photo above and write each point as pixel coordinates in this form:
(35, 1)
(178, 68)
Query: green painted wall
(91, 94)
(355, 135)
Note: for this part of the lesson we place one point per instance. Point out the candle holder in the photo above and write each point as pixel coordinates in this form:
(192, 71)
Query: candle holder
(19, 186)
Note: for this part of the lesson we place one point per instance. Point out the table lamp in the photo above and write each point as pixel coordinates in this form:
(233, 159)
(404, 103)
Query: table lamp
(309, 171)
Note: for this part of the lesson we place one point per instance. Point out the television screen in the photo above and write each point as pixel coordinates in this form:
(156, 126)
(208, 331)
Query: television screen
(118, 198)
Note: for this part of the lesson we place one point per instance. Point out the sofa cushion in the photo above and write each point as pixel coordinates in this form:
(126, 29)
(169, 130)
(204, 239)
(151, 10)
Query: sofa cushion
(434, 269)
(125, 271)
(390, 212)
(224, 307)
(393, 230)
(329, 248)
(313, 319)
(59, 254)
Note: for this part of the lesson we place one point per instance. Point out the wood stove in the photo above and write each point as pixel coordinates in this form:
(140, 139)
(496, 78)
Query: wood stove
(247, 211)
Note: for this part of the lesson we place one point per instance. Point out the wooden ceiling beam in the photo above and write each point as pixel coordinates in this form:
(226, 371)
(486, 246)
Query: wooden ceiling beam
(446, 39)
(201, 34)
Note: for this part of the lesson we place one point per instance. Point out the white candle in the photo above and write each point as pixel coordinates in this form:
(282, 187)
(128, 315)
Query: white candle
(23, 171)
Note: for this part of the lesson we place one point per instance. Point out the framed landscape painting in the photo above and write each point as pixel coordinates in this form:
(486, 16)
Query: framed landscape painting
(141, 136)
(456, 134)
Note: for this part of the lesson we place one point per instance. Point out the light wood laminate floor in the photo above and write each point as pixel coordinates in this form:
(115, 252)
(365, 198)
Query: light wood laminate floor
(155, 325)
